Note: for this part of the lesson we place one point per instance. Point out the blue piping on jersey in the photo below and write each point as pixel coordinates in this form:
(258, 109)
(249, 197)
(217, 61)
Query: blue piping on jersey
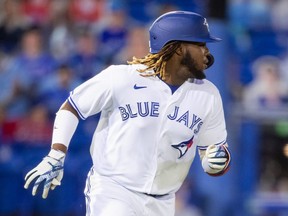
(72, 103)
(205, 147)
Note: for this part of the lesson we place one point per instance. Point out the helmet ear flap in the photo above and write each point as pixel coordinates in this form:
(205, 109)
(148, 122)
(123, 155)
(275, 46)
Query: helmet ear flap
(210, 58)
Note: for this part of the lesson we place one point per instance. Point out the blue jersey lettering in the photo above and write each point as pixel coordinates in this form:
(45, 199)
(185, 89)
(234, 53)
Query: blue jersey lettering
(143, 109)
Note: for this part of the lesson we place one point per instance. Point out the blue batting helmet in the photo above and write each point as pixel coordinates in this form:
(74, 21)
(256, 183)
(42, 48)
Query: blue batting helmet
(179, 26)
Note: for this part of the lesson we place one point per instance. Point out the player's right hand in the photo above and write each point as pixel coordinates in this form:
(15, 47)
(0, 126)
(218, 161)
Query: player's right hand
(49, 172)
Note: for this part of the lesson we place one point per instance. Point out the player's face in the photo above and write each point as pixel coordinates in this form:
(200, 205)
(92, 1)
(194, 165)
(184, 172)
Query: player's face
(194, 59)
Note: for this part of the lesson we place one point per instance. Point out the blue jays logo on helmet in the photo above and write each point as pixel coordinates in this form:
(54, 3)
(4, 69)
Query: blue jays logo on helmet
(183, 147)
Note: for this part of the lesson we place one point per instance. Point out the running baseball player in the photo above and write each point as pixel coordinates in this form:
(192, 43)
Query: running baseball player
(156, 112)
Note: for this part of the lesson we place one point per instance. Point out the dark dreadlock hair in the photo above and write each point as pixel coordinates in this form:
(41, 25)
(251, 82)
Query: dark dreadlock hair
(157, 61)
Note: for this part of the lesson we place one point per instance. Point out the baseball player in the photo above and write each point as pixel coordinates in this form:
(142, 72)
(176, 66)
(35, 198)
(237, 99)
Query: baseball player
(156, 112)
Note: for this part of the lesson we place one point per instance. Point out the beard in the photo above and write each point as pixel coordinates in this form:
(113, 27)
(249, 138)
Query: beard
(191, 65)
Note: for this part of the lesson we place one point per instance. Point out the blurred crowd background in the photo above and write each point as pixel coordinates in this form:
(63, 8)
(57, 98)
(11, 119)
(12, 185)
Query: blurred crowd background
(48, 47)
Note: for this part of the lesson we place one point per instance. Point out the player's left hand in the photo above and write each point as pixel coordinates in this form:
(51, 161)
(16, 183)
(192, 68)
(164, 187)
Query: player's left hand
(216, 160)
(49, 172)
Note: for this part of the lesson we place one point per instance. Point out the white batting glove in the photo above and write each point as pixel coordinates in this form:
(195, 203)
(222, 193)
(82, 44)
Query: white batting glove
(49, 171)
(216, 160)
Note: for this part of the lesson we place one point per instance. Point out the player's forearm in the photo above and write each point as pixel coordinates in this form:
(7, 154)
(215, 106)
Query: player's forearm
(65, 124)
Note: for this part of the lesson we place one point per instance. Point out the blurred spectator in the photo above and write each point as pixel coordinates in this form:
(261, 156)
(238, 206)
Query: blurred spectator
(113, 36)
(86, 59)
(279, 15)
(250, 13)
(259, 13)
(33, 62)
(35, 129)
(268, 89)
(13, 22)
(136, 45)
(284, 66)
(56, 88)
(60, 28)
(37, 10)
(86, 11)
(2, 119)
(15, 90)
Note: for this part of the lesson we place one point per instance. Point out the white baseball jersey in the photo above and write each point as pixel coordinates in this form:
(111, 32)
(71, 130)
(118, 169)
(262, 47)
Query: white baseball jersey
(147, 137)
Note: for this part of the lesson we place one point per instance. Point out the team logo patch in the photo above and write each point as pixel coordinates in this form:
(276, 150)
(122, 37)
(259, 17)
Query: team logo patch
(183, 147)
